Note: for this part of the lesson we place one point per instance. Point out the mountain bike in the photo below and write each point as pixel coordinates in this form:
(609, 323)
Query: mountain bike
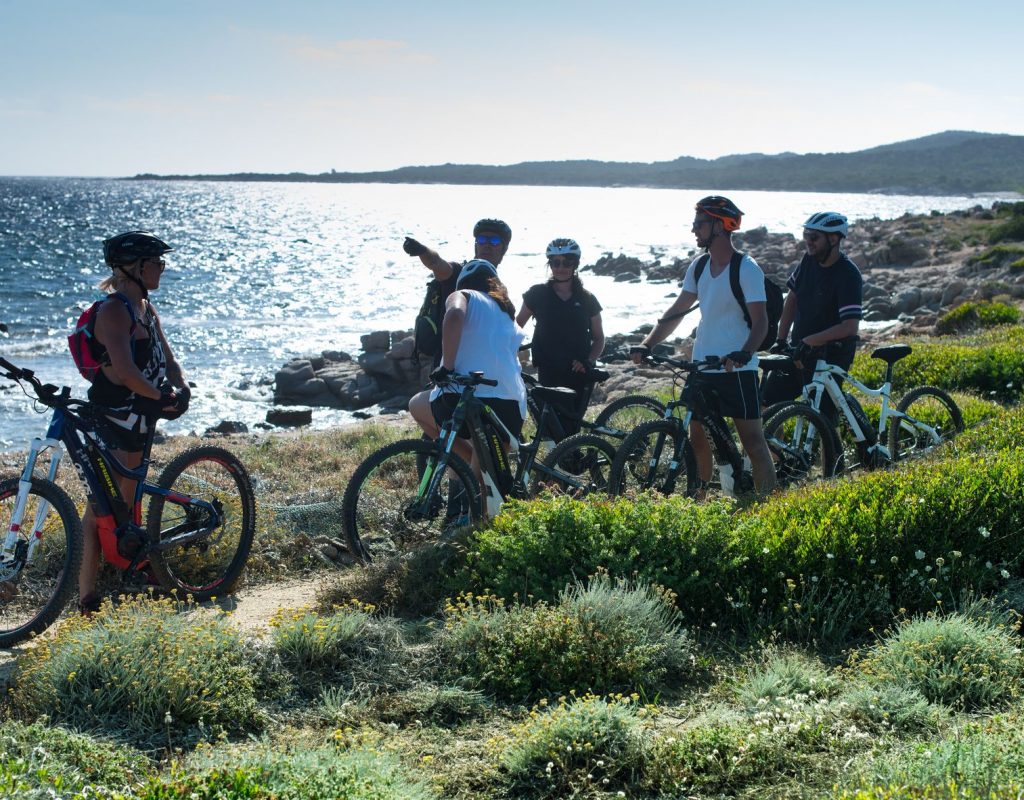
(658, 455)
(200, 517)
(416, 491)
(924, 418)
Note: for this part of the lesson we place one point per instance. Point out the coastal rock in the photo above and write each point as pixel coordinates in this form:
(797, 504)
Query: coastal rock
(226, 427)
(290, 417)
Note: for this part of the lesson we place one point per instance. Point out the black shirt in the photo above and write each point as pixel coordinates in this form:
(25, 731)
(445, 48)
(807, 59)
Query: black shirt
(563, 326)
(825, 296)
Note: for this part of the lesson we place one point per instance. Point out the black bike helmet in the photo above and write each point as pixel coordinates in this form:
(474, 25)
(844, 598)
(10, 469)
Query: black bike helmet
(495, 226)
(721, 208)
(127, 248)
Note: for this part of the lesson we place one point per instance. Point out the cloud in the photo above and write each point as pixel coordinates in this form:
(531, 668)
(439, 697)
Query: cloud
(369, 52)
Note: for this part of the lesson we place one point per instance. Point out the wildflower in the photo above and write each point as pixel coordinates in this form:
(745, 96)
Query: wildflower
(984, 532)
(894, 560)
(829, 555)
(1004, 573)
(940, 561)
(168, 719)
(919, 555)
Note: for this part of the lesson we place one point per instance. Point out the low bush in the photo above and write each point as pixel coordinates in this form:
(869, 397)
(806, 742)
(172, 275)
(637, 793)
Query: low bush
(990, 364)
(578, 747)
(1010, 229)
(145, 669)
(349, 645)
(312, 773)
(976, 314)
(963, 661)
(603, 638)
(44, 761)
(891, 707)
(784, 675)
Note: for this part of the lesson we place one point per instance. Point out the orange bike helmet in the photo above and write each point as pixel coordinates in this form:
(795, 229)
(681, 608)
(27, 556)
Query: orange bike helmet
(721, 208)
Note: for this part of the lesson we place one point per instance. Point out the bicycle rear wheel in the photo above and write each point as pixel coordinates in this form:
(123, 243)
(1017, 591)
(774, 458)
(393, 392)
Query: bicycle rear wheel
(656, 455)
(804, 445)
(623, 415)
(211, 565)
(389, 507)
(931, 406)
(33, 593)
(578, 466)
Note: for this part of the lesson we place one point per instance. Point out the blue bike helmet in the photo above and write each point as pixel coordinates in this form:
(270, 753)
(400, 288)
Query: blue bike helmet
(474, 269)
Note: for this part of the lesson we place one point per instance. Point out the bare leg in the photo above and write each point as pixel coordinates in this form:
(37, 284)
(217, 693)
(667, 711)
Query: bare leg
(751, 433)
(90, 530)
(701, 451)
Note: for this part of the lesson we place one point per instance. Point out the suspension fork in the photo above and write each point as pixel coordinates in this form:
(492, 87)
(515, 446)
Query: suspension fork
(36, 447)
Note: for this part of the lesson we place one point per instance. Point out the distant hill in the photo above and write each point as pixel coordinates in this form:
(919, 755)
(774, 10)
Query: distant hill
(952, 162)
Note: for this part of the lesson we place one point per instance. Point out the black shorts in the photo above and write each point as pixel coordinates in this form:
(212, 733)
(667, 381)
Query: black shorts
(505, 410)
(736, 392)
(127, 434)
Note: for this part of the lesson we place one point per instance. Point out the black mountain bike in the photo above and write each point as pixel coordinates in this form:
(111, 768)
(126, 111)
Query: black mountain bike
(415, 491)
(200, 517)
(658, 455)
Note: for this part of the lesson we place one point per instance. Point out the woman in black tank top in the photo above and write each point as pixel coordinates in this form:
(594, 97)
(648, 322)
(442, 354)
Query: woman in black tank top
(137, 364)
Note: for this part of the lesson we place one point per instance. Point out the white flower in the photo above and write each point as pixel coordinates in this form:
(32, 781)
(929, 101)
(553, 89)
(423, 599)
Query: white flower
(939, 562)
(829, 555)
(764, 550)
(1004, 573)
(919, 555)
(988, 565)
(983, 531)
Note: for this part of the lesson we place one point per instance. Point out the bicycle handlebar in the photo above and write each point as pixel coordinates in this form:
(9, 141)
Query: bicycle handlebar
(472, 379)
(711, 362)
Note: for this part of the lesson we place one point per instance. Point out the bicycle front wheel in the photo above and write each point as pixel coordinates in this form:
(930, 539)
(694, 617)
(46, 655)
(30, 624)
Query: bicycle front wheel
(803, 444)
(34, 590)
(929, 406)
(393, 503)
(578, 466)
(656, 455)
(210, 565)
(621, 416)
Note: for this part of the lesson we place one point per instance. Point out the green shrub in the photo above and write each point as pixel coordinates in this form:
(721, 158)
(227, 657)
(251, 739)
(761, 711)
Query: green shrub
(348, 645)
(602, 638)
(983, 760)
(311, 773)
(891, 707)
(990, 363)
(785, 675)
(1011, 230)
(580, 746)
(533, 549)
(946, 791)
(39, 760)
(144, 668)
(976, 314)
(963, 661)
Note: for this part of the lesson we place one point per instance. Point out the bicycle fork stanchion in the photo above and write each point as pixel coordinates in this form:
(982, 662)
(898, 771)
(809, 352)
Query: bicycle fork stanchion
(24, 487)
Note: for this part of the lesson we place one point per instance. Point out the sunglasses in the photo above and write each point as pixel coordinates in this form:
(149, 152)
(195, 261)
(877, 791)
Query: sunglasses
(812, 237)
(495, 240)
(563, 261)
(158, 261)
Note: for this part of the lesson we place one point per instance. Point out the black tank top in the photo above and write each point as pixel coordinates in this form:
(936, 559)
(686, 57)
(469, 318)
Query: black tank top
(148, 355)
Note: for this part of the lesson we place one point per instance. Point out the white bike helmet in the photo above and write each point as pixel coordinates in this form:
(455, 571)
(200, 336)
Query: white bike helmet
(475, 268)
(563, 247)
(828, 222)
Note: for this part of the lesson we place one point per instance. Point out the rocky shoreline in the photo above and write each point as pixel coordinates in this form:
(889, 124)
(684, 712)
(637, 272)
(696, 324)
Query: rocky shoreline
(914, 267)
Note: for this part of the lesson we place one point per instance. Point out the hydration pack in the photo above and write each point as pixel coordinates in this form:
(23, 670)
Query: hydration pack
(82, 341)
(772, 292)
(427, 331)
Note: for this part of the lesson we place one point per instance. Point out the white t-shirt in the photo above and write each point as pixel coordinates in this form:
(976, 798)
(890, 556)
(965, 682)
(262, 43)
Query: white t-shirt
(490, 344)
(722, 328)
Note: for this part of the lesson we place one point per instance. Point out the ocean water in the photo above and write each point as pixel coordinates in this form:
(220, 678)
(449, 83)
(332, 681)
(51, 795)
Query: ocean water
(263, 272)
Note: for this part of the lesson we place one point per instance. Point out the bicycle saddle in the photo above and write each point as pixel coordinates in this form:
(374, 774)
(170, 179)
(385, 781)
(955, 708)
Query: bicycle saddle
(553, 394)
(892, 353)
(775, 361)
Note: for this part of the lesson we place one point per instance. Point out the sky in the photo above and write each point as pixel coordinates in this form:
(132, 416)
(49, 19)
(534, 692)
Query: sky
(114, 88)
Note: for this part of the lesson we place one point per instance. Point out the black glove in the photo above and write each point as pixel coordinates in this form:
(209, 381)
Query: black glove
(806, 355)
(148, 407)
(781, 347)
(641, 350)
(412, 247)
(740, 357)
(441, 375)
(181, 403)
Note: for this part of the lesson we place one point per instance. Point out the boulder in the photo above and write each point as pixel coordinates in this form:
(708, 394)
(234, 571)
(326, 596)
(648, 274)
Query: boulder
(226, 427)
(376, 342)
(290, 417)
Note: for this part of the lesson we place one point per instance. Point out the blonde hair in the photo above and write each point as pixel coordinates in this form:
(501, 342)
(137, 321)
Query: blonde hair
(117, 279)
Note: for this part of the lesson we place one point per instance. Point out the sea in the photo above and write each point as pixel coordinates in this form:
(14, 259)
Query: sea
(265, 272)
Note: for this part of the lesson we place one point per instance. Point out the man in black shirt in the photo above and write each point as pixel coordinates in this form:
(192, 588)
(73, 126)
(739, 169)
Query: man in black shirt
(823, 308)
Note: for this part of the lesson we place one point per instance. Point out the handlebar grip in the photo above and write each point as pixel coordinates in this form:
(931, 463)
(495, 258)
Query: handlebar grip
(7, 365)
(488, 382)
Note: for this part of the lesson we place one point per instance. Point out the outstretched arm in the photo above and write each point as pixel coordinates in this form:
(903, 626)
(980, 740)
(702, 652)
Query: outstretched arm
(431, 260)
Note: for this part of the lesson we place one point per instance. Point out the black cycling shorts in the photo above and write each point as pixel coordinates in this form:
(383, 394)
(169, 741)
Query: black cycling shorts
(736, 392)
(126, 434)
(506, 410)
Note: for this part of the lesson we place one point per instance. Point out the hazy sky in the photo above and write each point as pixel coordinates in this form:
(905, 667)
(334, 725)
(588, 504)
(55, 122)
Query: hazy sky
(105, 87)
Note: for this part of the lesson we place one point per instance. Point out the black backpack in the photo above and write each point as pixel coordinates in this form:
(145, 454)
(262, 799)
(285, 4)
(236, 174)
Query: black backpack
(772, 293)
(427, 331)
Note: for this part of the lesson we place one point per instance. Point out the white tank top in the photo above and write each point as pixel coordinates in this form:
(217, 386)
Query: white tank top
(490, 344)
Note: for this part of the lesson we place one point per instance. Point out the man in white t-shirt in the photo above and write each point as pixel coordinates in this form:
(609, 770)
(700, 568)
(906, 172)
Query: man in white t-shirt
(723, 332)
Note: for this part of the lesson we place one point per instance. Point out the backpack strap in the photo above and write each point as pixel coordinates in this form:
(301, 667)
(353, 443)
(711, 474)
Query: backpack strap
(128, 305)
(698, 268)
(734, 282)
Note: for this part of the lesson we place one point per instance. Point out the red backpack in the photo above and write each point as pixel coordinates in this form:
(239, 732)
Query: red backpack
(82, 341)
